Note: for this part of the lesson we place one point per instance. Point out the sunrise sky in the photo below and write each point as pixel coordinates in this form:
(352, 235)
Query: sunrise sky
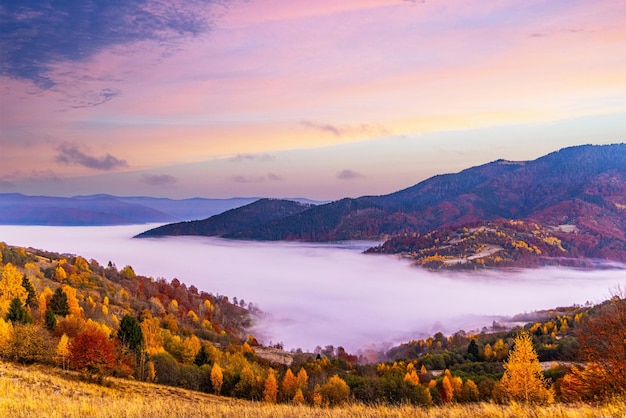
(299, 98)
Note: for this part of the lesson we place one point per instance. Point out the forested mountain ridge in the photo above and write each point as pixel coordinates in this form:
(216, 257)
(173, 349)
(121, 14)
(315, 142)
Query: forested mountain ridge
(583, 186)
(232, 221)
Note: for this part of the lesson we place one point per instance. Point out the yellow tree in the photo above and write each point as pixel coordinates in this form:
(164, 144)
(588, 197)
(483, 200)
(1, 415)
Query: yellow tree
(72, 301)
(303, 379)
(271, 387)
(6, 336)
(217, 378)
(60, 273)
(290, 385)
(153, 338)
(412, 378)
(523, 378)
(190, 348)
(10, 287)
(446, 390)
(63, 350)
(336, 391)
(298, 398)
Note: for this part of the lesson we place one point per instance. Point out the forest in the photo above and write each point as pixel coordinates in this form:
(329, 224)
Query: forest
(69, 313)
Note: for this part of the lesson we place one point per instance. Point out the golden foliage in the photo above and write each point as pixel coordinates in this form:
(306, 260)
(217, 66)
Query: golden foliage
(217, 378)
(335, 391)
(270, 391)
(10, 287)
(523, 378)
(43, 392)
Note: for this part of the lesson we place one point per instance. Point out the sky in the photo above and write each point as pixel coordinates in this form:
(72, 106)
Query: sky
(323, 99)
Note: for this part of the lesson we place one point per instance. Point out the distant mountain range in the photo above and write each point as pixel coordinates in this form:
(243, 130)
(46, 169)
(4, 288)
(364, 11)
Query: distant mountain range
(578, 190)
(102, 209)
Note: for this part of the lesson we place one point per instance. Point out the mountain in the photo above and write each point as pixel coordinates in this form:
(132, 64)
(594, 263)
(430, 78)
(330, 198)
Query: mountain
(583, 186)
(234, 221)
(102, 209)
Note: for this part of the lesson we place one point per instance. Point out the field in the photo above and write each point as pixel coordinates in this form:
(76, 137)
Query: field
(38, 391)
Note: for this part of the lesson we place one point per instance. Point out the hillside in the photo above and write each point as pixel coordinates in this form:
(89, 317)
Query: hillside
(583, 186)
(103, 324)
(47, 392)
(505, 243)
(232, 222)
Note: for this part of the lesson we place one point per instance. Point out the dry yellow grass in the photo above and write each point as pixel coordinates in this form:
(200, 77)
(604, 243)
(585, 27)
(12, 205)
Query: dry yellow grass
(40, 392)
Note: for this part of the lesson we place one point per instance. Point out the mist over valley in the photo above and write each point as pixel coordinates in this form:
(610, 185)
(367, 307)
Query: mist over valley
(329, 294)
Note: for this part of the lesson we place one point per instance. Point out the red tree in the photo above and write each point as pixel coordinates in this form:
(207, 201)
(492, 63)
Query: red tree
(92, 354)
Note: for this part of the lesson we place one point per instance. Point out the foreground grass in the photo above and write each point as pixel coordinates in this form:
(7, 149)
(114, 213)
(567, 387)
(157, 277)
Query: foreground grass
(37, 391)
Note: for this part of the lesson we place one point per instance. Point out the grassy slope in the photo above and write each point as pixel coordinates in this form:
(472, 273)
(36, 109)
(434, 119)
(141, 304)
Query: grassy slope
(37, 391)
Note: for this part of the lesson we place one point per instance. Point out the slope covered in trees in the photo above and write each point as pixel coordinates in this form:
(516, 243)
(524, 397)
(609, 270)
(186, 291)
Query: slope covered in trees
(576, 195)
(101, 321)
(504, 243)
(233, 221)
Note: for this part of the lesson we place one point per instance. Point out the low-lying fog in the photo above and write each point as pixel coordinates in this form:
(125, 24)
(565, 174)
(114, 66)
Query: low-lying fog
(318, 294)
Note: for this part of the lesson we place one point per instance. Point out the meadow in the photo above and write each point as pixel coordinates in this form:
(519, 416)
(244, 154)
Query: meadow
(40, 391)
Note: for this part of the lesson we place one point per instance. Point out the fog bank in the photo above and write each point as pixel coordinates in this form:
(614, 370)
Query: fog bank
(321, 294)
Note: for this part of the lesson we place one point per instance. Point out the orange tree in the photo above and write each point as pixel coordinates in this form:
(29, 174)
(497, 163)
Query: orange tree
(93, 354)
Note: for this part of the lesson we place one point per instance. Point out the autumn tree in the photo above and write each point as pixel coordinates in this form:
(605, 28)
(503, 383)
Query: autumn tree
(602, 339)
(10, 287)
(63, 351)
(29, 344)
(523, 379)
(217, 378)
(289, 385)
(270, 390)
(335, 391)
(128, 272)
(298, 398)
(469, 392)
(303, 380)
(152, 335)
(60, 274)
(6, 335)
(72, 300)
(190, 347)
(93, 354)
(446, 391)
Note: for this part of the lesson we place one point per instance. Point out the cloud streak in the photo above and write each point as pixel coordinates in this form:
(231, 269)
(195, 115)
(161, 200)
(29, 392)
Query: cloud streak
(239, 158)
(349, 175)
(346, 130)
(71, 155)
(260, 179)
(158, 179)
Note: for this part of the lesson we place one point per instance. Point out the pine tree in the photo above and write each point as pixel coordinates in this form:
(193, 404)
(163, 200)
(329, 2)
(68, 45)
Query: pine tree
(31, 296)
(17, 313)
(130, 333)
(202, 357)
(523, 379)
(51, 319)
(58, 303)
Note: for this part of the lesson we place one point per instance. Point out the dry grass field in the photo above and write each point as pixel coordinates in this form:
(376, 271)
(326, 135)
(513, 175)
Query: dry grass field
(37, 391)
